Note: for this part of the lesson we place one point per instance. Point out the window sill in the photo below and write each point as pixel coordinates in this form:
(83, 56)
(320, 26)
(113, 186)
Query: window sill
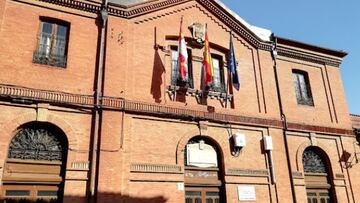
(306, 103)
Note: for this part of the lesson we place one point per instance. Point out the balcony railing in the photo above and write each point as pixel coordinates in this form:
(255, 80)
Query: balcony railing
(49, 59)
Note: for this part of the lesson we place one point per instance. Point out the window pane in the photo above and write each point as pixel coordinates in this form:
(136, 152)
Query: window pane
(217, 76)
(198, 200)
(193, 193)
(45, 44)
(47, 193)
(188, 200)
(45, 39)
(209, 201)
(212, 194)
(60, 41)
(297, 86)
(303, 86)
(61, 31)
(174, 67)
(47, 28)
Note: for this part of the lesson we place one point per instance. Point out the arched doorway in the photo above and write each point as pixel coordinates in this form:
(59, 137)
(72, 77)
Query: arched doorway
(35, 165)
(317, 176)
(203, 172)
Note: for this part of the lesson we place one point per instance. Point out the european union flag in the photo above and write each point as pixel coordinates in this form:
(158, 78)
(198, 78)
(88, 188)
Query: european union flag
(232, 65)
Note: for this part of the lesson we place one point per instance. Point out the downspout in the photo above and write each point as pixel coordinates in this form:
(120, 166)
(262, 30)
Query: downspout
(283, 116)
(97, 108)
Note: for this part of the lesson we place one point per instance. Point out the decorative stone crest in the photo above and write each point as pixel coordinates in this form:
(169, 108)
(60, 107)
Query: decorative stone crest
(198, 32)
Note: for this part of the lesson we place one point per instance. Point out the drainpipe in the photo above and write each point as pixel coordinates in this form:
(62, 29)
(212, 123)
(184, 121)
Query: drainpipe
(97, 108)
(283, 116)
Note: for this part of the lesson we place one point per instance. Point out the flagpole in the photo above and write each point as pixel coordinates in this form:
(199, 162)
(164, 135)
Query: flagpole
(227, 89)
(228, 78)
(179, 71)
(204, 68)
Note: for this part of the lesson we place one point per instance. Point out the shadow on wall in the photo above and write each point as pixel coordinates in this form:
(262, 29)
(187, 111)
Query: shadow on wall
(157, 81)
(102, 198)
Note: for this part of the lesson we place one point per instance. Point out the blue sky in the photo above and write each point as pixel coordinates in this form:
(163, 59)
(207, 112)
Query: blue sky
(328, 23)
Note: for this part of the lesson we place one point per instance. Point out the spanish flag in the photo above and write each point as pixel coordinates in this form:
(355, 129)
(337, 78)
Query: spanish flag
(183, 55)
(207, 63)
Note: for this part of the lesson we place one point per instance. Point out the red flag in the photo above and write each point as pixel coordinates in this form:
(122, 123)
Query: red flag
(183, 55)
(209, 71)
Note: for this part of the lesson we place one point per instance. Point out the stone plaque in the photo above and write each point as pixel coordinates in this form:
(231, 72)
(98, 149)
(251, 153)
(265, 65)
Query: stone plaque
(246, 193)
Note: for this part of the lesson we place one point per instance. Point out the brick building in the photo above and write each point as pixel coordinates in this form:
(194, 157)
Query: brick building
(92, 107)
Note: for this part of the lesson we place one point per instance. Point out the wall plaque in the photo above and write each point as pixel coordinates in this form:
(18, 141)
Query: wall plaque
(247, 193)
(201, 155)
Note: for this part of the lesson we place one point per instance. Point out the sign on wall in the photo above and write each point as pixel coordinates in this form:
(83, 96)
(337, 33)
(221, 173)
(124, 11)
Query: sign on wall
(201, 155)
(247, 193)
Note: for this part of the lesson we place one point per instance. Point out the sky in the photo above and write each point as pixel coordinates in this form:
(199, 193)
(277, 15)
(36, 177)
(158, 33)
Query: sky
(332, 24)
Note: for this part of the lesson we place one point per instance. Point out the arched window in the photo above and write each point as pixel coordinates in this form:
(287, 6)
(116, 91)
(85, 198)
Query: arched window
(317, 178)
(203, 172)
(35, 165)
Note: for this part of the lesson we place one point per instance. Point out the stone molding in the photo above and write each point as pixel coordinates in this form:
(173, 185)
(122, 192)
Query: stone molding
(340, 176)
(24, 95)
(155, 168)
(247, 172)
(297, 174)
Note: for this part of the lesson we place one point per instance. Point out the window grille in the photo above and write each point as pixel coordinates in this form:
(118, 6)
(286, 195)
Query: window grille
(302, 88)
(312, 162)
(36, 143)
(175, 73)
(218, 84)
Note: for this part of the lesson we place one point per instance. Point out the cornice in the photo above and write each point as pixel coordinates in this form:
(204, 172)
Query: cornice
(307, 56)
(143, 8)
(220, 13)
(25, 95)
(88, 6)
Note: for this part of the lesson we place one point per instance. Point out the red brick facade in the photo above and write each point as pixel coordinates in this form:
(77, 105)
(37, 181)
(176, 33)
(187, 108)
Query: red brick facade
(144, 130)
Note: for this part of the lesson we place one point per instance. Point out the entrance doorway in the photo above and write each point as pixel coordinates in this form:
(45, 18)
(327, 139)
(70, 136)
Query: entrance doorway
(203, 172)
(35, 166)
(317, 179)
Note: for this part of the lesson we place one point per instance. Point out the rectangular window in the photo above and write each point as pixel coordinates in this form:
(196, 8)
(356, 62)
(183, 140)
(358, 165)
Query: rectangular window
(218, 84)
(52, 43)
(175, 74)
(302, 88)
